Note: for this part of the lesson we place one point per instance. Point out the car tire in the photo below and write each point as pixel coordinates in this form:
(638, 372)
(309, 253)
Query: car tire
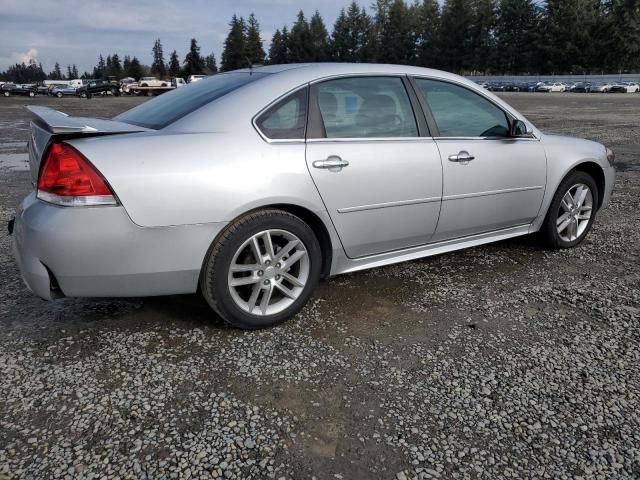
(568, 222)
(267, 291)
(32, 94)
(7, 94)
(59, 95)
(144, 85)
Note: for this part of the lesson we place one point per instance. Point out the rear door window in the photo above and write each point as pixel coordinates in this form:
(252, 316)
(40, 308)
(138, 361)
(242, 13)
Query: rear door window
(366, 107)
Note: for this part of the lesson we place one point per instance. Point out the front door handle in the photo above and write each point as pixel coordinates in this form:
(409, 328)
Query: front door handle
(462, 157)
(334, 163)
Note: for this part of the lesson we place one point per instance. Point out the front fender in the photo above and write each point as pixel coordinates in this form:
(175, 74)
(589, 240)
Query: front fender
(565, 154)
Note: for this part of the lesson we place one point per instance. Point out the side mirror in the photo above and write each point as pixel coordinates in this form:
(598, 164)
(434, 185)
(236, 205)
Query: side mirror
(519, 129)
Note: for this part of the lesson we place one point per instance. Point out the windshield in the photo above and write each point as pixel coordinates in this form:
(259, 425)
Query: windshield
(167, 108)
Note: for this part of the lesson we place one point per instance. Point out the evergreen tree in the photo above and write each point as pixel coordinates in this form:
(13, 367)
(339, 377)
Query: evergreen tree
(158, 66)
(210, 64)
(428, 33)
(300, 48)
(99, 70)
(319, 38)
(254, 50)
(193, 62)
(455, 44)
(352, 37)
(397, 36)
(116, 66)
(380, 18)
(126, 66)
(279, 52)
(57, 72)
(483, 46)
(516, 36)
(568, 25)
(135, 69)
(625, 19)
(234, 53)
(74, 71)
(69, 73)
(174, 64)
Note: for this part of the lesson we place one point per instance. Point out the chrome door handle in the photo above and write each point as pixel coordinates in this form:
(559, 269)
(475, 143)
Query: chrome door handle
(462, 157)
(333, 163)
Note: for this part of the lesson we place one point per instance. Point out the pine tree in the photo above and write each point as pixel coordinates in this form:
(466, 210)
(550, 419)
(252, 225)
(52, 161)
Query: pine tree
(210, 64)
(516, 35)
(278, 52)
(126, 66)
(116, 66)
(234, 53)
(158, 66)
(483, 47)
(56, 74)
(455, 44)
(193, 62)
(319, 38)
(397, 37)
(254, 50)
(174, 64)
(74, 71)
(428, 33)
(625, 18)
(100, 69)
(69, 72)
(352, 37)
(135, 69)
(300, 48)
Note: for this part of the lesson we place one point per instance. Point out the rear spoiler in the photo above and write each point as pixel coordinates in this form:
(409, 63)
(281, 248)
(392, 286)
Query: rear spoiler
(61, 123)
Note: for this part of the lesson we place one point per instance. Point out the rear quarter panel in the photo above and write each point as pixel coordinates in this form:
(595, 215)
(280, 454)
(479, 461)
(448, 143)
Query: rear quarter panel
(183, 178)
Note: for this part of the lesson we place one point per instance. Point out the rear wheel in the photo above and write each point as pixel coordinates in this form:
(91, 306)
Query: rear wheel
(262, 269)
(572, 211)
(7, 94)
(59, 95)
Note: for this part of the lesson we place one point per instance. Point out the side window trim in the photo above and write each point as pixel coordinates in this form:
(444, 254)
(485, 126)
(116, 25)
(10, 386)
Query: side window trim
(254, 120)
(431, 119)
(316, 129)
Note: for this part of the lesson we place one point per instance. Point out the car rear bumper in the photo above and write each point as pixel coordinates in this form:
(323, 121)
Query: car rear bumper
(100, 252)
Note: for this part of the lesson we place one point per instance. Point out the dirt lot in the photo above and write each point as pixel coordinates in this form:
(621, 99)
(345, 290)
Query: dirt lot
(495, 362)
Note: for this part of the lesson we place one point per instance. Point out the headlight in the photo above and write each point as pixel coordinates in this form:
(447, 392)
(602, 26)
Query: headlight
(610, 156)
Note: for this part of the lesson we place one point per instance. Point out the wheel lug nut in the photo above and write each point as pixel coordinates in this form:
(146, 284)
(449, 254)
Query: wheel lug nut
(260, 273)
(266, 282)
(268, 262)
(277, 265)
(277, 277)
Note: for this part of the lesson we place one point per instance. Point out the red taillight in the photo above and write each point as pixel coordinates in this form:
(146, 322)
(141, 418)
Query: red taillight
(68, 178)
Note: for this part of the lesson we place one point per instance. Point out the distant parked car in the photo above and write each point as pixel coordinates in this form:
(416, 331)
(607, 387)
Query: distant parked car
(580, 87)
(632, 87)
(9, 89)
(516, 87)
(152, 82)
(60, 91)
(195, 78)
(601, 87)
(557, 87)
(98, 86)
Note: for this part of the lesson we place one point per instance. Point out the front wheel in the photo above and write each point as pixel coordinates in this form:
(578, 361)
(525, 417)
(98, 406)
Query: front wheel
(572, 211)
(262, 269)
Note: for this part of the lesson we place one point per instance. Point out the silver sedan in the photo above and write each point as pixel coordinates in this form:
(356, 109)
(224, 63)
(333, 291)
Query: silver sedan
(250, 186)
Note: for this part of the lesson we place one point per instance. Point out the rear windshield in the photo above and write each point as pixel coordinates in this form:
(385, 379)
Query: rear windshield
(171, 106)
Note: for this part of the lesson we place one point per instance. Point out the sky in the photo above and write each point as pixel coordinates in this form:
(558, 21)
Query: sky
(77, 31)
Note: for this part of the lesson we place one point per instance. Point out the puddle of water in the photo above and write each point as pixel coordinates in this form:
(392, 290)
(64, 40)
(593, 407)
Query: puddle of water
(16, 162)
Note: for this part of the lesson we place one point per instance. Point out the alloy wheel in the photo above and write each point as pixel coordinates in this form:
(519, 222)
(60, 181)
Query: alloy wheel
(268, 272)
(575, 212)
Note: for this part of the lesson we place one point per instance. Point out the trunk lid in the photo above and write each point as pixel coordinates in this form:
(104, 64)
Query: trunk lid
(49, 124)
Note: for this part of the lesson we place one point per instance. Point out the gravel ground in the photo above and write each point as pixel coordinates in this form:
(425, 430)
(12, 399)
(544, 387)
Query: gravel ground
(505, 361)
